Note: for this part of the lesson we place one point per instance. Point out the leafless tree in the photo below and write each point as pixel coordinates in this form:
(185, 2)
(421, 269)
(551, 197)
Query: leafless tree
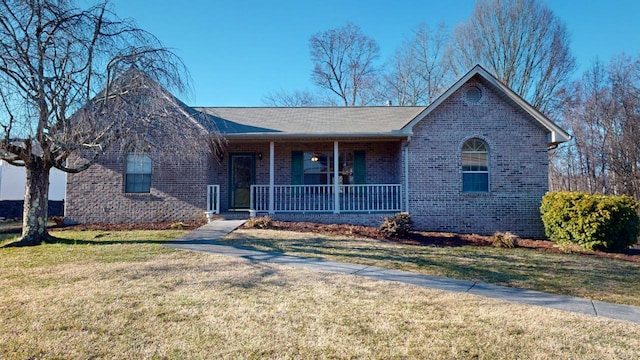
(520, 41)
(604, 117)
(294, 99)
(344, 61)
(70, 87)
(421, 70)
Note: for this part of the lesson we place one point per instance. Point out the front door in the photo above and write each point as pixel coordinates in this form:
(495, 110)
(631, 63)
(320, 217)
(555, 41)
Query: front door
(241, 177)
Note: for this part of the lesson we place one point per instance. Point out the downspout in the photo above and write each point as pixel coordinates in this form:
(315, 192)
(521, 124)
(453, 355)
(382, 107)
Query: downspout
(405, 149)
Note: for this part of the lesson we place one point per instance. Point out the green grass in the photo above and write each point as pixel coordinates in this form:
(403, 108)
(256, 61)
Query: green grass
(105, 295)
(567, 274)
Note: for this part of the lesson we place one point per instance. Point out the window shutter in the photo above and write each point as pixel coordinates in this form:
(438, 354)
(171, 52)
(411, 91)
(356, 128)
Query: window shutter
(297, 167)
(359, 167)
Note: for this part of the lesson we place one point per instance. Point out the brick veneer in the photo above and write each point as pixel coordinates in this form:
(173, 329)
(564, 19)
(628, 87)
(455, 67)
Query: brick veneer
(518, 163)
(178, 191)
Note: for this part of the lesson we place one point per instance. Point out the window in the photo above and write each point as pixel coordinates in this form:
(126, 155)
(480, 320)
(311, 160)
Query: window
(316, 168)
(475, 166)
(138, 174)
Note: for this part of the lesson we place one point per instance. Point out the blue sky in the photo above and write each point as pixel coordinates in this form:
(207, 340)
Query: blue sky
(237, 51)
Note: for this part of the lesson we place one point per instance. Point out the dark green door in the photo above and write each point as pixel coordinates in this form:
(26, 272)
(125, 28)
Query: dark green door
(241, 177)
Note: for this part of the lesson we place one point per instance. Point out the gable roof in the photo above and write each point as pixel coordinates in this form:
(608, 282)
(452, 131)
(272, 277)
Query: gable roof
(556, 134)
(354, 122)
(309, 122)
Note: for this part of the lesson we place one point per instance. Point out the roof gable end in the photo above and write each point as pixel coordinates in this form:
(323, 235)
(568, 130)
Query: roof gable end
(556, 134)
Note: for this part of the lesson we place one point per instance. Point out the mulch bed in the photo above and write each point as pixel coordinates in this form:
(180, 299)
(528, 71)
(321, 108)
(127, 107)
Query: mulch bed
(440, 239)
(161, 225)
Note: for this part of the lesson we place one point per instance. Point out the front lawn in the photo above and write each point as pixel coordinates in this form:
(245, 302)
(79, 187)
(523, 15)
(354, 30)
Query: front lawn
(577, 275)
(107, 294)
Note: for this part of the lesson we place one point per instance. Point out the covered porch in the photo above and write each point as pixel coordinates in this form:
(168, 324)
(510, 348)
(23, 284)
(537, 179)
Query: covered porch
(312, 177)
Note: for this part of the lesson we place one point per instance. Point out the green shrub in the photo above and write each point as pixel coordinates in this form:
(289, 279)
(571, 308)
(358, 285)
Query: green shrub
(505, 240)
(398, 225)
(259, 222)
(595, 222)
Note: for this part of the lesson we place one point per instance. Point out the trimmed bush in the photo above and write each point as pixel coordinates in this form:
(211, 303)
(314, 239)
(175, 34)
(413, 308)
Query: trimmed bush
(398, 225)
(260, 222)
(505, 240)
(595, 222)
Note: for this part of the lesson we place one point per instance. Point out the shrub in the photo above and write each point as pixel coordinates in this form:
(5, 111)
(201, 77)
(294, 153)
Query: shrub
(398, 225)
(178, 225)
(505, 240)
(595, 222)
(259, 222)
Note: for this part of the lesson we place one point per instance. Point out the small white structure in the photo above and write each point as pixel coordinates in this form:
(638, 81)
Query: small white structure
(13, 178)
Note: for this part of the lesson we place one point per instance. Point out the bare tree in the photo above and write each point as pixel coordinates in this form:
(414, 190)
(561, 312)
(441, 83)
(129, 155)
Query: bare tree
(421, 70)
(520, 41)
(604, 117)
(70, 85)
(294, 99)
(345, 64)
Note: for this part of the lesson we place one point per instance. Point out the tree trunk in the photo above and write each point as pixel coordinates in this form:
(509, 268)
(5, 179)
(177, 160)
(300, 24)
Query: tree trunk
(36, 199)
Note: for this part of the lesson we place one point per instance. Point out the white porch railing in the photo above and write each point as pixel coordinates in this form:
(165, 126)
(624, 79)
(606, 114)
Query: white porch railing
(213, 199)
(320, 198)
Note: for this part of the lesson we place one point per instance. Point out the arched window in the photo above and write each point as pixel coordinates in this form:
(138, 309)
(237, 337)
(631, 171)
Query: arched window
(475, 166)
(138, 173)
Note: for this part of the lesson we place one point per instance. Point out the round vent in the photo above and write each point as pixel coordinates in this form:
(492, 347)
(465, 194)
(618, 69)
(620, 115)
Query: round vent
(474, 94)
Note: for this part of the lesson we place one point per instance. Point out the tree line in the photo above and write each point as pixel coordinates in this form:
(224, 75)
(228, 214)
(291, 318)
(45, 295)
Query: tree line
(602, 112)
(522, 42)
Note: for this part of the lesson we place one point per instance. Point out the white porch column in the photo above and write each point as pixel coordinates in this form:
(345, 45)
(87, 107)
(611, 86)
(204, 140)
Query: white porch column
(272, 163)
(406, 177)
(336, 186)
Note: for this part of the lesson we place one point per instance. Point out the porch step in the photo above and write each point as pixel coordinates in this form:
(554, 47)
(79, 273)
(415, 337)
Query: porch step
(235, 215)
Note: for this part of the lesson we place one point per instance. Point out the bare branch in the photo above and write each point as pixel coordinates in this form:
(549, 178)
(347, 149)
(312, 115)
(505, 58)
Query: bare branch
(345, 64)
(523, 43)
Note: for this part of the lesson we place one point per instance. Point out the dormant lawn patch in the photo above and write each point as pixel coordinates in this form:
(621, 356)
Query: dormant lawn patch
(577, 275)
(112, 295)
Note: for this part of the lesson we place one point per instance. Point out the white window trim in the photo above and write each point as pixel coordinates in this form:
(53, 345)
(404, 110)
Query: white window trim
(488, 171)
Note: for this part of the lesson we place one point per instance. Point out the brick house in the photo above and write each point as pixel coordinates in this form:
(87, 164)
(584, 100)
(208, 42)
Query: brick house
(473, 161)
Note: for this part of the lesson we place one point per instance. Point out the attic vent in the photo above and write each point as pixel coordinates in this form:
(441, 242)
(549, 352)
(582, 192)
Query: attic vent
(474, 94)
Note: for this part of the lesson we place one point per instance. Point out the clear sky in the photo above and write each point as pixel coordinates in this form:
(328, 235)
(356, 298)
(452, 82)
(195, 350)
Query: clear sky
(237, 51)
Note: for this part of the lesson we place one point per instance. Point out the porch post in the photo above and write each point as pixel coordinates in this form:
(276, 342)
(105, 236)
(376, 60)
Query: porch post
(406, 177)
(336, 186)
(272, 163)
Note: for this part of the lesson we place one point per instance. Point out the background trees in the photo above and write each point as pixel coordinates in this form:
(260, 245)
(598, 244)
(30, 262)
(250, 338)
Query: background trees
(420, 69)
(604, 116)
(522, 43)
(344, 63)
(65, 73)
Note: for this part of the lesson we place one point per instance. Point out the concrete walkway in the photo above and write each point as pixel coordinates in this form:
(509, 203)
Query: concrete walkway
(205, 239)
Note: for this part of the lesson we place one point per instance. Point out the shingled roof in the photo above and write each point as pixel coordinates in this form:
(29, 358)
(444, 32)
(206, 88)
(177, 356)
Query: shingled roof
(354, 122)
(305, 122)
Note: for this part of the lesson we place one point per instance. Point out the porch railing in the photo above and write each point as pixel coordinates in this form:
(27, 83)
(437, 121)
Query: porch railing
(213, 199)
(320, 198)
